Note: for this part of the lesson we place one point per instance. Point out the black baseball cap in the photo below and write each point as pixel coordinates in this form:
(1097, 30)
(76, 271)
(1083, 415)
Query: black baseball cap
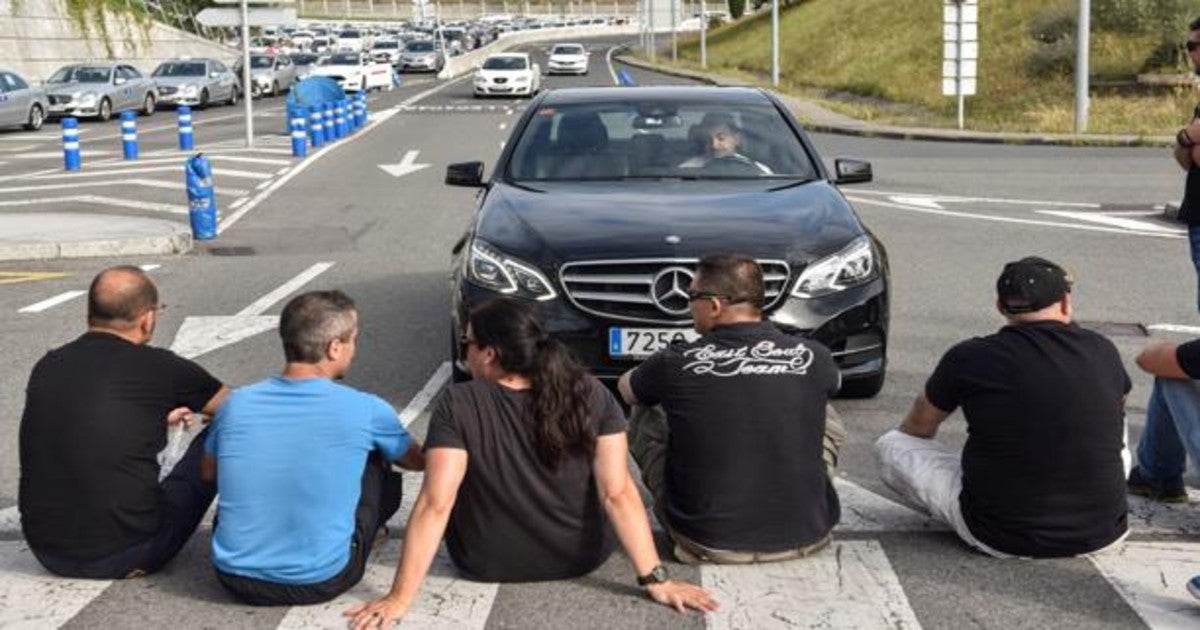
(1031, 284)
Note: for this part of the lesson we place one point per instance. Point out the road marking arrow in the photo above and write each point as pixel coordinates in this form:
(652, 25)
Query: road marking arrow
(201, 335)
(1115, 221)
(920, 202)
(407, 165)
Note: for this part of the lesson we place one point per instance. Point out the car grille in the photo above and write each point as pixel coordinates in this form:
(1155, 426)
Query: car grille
(500, 80)
(167, 90)
(625, 289)
(59, 100)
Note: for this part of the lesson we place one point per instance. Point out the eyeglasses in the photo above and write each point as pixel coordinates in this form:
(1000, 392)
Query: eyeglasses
(1190, 45)
(708, 295)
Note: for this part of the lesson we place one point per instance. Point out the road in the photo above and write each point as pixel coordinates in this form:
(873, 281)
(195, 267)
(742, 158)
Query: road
(949, 214)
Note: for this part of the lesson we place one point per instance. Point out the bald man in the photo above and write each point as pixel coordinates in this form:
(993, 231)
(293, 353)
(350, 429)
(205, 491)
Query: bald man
(96, 417)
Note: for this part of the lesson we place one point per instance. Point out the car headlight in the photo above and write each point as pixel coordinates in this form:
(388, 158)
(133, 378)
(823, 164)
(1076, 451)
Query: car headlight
(263, 79)
(490, 268)
(87, 99)
(188, 90)
(853, 265)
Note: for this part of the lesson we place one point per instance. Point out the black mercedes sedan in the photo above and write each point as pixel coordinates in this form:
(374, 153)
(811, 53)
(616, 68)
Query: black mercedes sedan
(604, 199)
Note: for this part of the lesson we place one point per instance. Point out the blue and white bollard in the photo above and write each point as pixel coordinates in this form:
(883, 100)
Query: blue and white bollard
(366, 111)
(300, 132)
(624, 79)
(360, 110)
(339, 120)
(330, 123)
(72, 158)
(129, 140)
(348, 116)
(316, 131)
(187, 140)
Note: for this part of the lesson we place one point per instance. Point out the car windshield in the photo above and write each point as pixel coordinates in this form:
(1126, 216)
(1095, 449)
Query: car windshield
(341, 59)
(659, 139)
(386, 45)
(261, 61)
(180, 69)
(504, 63)
(304, 59)
(419, 47)
(567, 50)
(81, 74)
(349, 35)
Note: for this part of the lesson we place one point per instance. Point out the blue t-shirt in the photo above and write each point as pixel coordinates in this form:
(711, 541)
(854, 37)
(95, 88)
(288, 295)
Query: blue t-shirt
(290, 457)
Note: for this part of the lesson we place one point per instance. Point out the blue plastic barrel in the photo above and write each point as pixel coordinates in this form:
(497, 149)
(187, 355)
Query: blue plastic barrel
(202, 201)
(299, 120)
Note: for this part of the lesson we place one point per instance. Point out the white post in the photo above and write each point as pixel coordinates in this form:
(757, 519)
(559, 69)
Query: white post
(653, 43)
(674, 33)
(246, 78)
(775, 43)
(958, 76)
(1081, 66)
(704, 35)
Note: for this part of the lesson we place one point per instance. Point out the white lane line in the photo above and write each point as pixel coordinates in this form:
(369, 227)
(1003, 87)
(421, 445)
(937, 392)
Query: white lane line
(1175, 328)
(262, 185)
(865, 511)
(237, 203)
(611, 71)
(503, 126)
(229, 172)
(376, 120)
(180, 159)
(955, 199)
(283, 170)
(51, 303)
(33, 597)
(1014, 220)
(259, 306)
(1150, 576)
(99, 200)
(417, 405)
(149, 268)
(851, 584)
(1114, 221)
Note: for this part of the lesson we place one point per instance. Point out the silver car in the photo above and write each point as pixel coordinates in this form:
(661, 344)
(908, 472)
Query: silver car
(198, 82)
(422, 55)
(21, 104)
(269, 74)
(99, 89)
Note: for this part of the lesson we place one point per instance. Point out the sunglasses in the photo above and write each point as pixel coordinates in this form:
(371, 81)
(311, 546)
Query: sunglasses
(1190, 45)
(707, 295)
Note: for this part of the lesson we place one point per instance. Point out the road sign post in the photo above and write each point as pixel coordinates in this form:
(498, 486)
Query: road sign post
(960, 59)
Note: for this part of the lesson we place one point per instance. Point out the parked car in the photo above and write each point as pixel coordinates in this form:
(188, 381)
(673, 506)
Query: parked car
(269, 74)
(568, 59)
(320, 45)
(598, 211)
(199, 82)
(355, 72)
(305, 63)
(351, 40)
(20, 103)
(98, 90)
(422, 55)
(386, 50)
(508, 74)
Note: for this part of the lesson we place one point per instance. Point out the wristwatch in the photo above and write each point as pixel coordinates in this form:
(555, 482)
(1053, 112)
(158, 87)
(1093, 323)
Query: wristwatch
(657, 575)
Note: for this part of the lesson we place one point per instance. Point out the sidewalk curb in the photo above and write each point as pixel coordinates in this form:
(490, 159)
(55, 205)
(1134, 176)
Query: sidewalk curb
(179, 242)
(865, 129)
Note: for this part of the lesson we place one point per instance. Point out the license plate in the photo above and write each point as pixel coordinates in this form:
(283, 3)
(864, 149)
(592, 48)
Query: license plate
(639, 343)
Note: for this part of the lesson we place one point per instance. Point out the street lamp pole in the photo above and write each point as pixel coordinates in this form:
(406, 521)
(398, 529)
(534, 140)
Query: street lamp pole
(775, 43)
(1082, 36)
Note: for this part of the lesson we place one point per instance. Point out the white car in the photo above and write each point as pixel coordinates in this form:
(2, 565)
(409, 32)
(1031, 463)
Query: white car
(355, 72)
(568, 59)
(351, 40)
(508, 74)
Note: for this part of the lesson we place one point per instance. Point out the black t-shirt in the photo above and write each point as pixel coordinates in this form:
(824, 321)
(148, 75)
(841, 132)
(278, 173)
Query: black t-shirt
(1189, 209)
(515, 519)
(1042, 471)
(94, 423)
(1188, 356)
(746, 409)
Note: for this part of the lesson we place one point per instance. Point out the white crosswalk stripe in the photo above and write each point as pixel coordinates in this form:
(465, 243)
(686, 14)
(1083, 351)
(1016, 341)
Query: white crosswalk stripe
(32, 598)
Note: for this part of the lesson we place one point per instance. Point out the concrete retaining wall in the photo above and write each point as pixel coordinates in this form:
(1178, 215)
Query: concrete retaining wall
(39, 37)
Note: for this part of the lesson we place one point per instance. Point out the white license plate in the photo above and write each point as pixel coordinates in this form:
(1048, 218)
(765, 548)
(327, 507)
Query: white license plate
(639, 343)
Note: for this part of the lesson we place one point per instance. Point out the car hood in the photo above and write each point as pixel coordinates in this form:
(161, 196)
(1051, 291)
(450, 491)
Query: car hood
(554, 223)
(67, 89)
(339, 69)
(178, 81)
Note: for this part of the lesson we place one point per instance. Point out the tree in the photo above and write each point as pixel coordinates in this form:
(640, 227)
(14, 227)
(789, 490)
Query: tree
(737, 8)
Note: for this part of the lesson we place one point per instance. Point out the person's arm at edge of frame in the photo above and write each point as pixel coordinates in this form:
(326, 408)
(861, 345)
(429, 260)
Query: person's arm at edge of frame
(445, 472)
(623, 505)
(1161, 359)
(413, 458)
(208, 463)
(923, 419)
(625, 388)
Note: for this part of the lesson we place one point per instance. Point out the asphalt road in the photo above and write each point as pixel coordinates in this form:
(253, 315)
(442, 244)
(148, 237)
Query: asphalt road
(949, 214)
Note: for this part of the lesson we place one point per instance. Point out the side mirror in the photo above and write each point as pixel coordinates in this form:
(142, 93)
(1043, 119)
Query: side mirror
(852, 171)
(214, 74)
(119, 81)
(469, 174)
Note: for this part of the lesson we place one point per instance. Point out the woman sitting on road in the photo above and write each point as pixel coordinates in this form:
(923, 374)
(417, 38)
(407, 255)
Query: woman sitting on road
(522, 465)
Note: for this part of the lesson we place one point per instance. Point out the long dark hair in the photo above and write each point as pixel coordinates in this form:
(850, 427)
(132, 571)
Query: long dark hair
(561, 419)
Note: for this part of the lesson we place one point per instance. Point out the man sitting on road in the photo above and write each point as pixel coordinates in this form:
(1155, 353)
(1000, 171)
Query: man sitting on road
(304, 466)
(1042, 471)
(721, 139)
(96, 416)
(740, 453)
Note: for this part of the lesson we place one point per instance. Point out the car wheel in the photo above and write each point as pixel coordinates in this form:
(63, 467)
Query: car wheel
(233, 96)
(148, 104)
(104, 111)
(36, 118)
(256, 90)
(203, 99)
(275, 88)
(862, 387)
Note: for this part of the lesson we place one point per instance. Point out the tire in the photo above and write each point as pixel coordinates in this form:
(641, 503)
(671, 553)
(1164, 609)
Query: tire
(203, 104)
(234, 94)
(148, 104)
(862, 387)
(275, 88)
(256, 90)
(104, 110)
(36, 117)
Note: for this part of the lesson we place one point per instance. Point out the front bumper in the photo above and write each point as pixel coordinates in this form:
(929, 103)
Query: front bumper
(567, 68)
(426, 66)
(72, 109)
(853, 324)
(492, 89)
(178, 98)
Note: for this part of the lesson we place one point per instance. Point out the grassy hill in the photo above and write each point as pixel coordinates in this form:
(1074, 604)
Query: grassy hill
(881, 60)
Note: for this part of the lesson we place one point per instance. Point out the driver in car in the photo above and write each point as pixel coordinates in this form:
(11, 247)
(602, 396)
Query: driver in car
(721, 138)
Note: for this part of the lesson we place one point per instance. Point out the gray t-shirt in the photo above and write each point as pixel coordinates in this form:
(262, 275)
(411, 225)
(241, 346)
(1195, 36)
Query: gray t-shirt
(515, 519)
